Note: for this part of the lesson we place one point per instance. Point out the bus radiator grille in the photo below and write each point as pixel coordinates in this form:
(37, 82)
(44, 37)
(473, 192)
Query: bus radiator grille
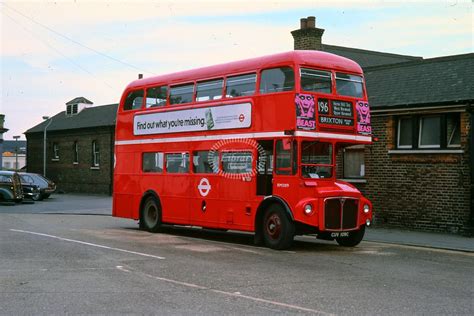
(341, 213)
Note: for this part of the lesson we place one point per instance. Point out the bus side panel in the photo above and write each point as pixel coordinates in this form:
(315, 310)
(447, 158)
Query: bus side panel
(125, 185)
(236, 195)
(175, 198)
(204, 199)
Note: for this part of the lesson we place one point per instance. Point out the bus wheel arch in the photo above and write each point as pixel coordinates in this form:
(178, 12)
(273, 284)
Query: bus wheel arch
(270, 210)
(150, 212)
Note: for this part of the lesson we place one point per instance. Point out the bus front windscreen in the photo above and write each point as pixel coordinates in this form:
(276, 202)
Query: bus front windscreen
(316, 160)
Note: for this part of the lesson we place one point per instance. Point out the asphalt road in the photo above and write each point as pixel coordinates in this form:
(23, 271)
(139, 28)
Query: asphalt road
(66, 255)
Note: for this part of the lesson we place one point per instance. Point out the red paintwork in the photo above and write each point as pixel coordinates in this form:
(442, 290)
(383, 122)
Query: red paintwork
(230, 204)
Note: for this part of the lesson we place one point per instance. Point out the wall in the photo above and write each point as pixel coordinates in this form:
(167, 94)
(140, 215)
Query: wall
(429, 192)
(70, 177)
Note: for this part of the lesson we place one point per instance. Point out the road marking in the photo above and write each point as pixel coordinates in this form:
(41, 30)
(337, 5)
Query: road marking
(233, 294)
(88, 244)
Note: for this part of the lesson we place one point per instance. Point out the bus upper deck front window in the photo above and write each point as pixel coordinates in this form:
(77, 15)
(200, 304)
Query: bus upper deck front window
(134, 100)
(315, 80)
(316, 160)
(349, 85)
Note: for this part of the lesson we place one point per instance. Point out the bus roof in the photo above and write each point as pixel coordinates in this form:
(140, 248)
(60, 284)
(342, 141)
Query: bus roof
(302, 57)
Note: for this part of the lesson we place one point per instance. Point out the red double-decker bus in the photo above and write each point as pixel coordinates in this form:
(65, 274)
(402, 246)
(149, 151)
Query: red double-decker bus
(248, 145)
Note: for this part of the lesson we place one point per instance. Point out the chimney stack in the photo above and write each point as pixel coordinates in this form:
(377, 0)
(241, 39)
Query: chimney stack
(308, 37)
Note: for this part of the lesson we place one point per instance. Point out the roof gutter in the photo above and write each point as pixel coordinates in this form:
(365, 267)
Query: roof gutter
(453, 105)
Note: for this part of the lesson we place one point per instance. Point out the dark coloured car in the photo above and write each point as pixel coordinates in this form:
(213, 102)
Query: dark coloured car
(46, 186)
(10, 187)
(30, 190)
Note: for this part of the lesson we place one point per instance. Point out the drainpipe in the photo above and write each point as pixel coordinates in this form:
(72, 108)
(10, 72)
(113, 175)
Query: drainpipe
(470, 110)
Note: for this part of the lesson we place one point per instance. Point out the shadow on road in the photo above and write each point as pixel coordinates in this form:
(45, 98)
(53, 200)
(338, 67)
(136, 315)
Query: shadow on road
(242, 238)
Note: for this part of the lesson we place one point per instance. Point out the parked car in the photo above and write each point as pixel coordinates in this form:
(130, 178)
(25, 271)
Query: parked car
(30, 190)
(10, 187)
(46, 186)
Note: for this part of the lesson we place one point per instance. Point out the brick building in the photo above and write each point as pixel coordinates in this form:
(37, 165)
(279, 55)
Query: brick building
(79, 147)
(419, 173)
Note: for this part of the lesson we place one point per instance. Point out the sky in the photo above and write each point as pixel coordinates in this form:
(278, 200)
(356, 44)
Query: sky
(54, 51)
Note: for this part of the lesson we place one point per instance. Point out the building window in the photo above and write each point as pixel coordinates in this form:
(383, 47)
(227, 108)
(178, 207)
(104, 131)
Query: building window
(354, 164)
(75, 150)
(442, 131)
(405, 129)
(453, 128)
(430, 132)
(277, 80)
(152, 162)
(95, 154)
(55, 151)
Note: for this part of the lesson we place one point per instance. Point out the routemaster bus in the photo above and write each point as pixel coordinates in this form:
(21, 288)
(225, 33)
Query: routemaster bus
(249, 145)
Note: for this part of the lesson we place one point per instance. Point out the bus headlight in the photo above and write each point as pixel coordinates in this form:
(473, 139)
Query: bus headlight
(308, 209)
(366, 208)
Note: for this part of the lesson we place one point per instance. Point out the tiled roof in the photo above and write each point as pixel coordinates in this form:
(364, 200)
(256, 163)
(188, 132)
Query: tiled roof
(430, 81)
(96, 116)
(368, 58)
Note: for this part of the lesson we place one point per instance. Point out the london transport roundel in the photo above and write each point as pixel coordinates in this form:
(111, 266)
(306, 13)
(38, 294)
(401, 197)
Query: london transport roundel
(204, 187)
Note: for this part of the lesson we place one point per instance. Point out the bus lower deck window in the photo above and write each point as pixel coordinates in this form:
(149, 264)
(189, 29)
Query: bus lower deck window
(177, 163)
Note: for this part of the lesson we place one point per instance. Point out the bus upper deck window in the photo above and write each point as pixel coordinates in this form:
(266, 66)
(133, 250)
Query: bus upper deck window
(238, 86)
(277, 80)
(316, 80)
(349, 85)
(134, 100)
(181, 94)
(209, 90)
(155, 96)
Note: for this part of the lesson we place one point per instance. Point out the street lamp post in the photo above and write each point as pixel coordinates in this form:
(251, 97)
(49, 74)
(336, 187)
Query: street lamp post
(44, 142)
(16, 151)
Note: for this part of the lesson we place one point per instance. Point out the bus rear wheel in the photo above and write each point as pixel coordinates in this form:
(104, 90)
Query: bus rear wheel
(355, 237)
(278, 229)
(150, 217)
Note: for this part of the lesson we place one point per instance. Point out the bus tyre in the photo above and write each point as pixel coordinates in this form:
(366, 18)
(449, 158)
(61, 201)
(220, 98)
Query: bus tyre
(150, 216)
(278, 229)
(355, 237)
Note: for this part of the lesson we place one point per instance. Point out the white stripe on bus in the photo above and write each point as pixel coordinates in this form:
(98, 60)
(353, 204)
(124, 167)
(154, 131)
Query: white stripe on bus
(246, 135)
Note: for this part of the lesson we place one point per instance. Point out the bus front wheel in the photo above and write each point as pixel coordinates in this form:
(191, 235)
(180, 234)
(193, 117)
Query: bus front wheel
(355, 237)
(278, 229)
(150, 217)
